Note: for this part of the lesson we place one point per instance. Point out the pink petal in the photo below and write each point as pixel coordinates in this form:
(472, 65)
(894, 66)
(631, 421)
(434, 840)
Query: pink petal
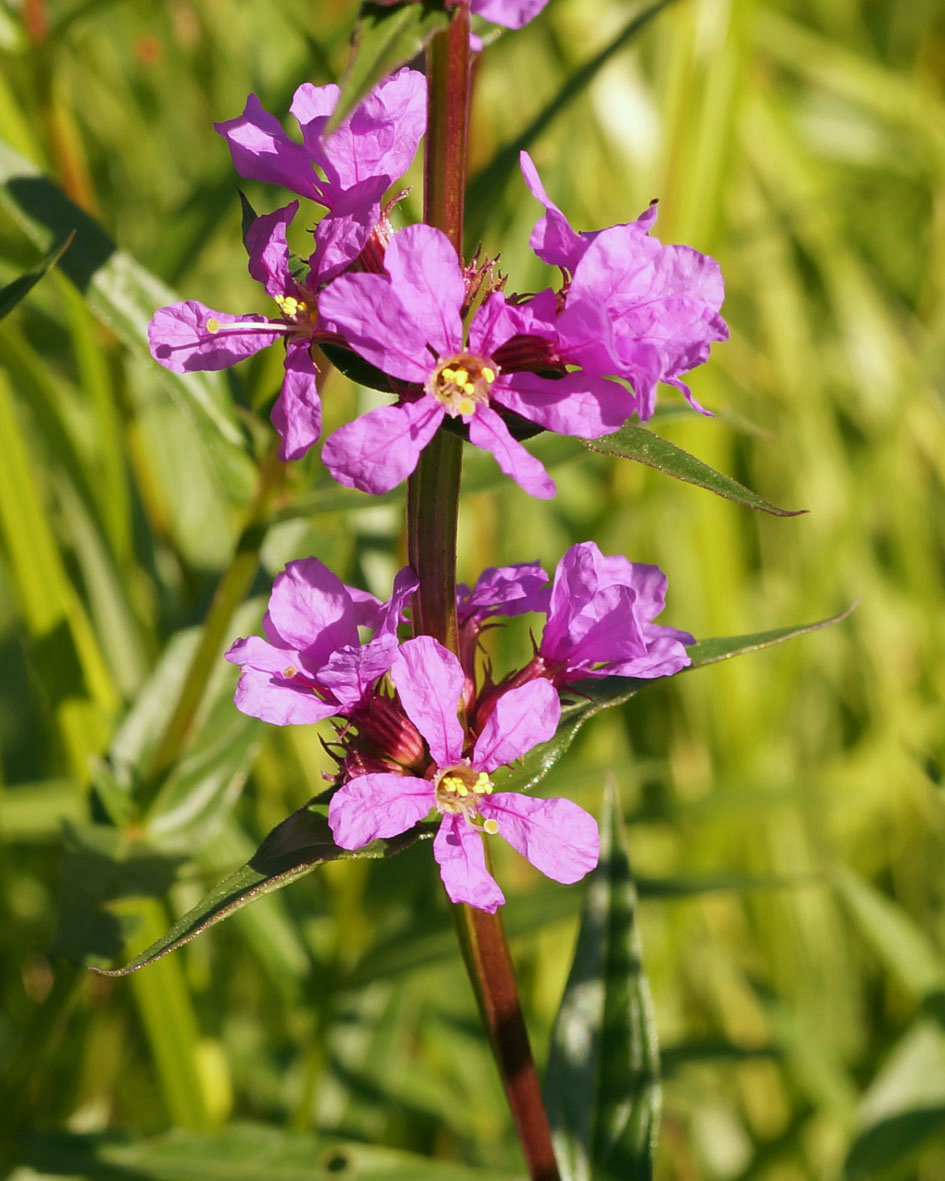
(505, 590)
(426, 276)
(282, 702)
(392, 612)
(522, 718)
(261, 150)
(269, 252)
(181, 341)
(430, 681)
(310, 609)
(297, 412)
(351, 672)
(511, 14)
(556, 836)
(459, 852)
(373, 806)
(553, 239)
(366, 311)
(487, 430)
(575, 404)
(381, 448)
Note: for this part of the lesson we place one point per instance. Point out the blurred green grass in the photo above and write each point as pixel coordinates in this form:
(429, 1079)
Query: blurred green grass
(803, 145)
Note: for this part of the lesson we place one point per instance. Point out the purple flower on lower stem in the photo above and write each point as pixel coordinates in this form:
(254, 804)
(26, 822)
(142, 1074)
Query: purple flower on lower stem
(409, 324)
(556, 836)
(189, 336)
(632, 307)
(312, 664)
(600, 613)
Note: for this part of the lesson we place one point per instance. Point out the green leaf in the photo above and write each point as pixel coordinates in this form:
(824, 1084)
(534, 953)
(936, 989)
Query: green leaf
(385, 38)
(596, 696)
(295, 847)
(236, 1153)
(11, 295)
(124, 296)
(485, 188)
(633, 441)
(602, 1093)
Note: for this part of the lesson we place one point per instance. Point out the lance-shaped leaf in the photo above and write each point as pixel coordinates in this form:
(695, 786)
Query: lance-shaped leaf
(385, 38)
(11, 295)
(295, 847)
(591, 697)
(633, 441)
(603, 1093)
(124, 296)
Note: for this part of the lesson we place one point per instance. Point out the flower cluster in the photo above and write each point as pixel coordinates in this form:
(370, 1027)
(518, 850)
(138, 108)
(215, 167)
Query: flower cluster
(630, 313)
(425, 730)
(422, 731)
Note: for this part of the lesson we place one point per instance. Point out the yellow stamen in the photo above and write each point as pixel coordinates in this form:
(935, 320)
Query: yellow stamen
(466, 405)
(469, 387)
(460, 376)
(290, 672)
(488, 374)
(491, 827)
(449, 374)
(213, 325)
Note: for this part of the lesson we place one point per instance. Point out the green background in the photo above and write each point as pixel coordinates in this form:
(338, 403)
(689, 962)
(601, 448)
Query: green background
(786, 813)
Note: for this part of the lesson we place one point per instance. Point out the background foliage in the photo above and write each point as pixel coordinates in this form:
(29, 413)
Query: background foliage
(786, 817)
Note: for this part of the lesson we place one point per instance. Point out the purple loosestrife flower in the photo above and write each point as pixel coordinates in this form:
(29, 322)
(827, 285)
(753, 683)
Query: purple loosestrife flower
(632, 307)
(409, 324)
(349, 171)
(312, 665)
(512, 14)
(556, 836)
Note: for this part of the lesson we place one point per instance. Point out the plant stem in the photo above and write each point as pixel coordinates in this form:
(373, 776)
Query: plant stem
(432, 510)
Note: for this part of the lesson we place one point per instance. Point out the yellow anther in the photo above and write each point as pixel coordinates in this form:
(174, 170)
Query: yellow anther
(491, 827)
(483, 785)
(449, 374)
(466, 405)
(213, 325)
(290, 672)
(488, 374)
(460, 376)
(469, 387)
(462, 789)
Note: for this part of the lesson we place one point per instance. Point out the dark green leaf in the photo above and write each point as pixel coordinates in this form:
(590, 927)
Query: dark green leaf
(384, 39)
(889, 1146)
(301, 843)
(124, 296)
(244, 1152)
(633, 441)
(603, 1093)
(11, 295)
(486, 186)
(596, 696)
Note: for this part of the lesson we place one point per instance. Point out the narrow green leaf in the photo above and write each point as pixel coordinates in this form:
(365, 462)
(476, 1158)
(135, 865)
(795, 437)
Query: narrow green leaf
(486, 186)
(633, 441)
(301, 843)
(11, 295)
(882, 1151)
(603, 1093)
(596, 696)
(124, 296)
(385, 38)
(235, 1154)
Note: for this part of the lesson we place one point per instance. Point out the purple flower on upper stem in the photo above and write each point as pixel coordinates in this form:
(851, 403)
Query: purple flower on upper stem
(512, 14)
(633, 307)
(188, 336)
(556, 836)
(312, 665)
(366, 153)
(409, 324)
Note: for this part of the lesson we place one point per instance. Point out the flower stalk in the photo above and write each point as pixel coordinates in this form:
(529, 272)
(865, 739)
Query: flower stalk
(432, 511)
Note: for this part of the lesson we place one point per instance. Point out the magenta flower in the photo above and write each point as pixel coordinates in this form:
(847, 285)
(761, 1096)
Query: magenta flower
(556, 836)
(188, 336)
(408, 323)
(633, 307)
(362, 158)
(512, 14)
(600, 614)
(312, 664)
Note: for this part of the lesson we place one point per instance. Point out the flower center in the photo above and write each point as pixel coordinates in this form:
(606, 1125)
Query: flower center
(459, 789)
(462, 382)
